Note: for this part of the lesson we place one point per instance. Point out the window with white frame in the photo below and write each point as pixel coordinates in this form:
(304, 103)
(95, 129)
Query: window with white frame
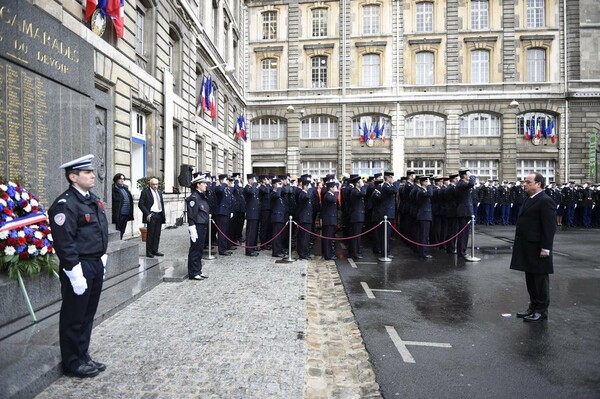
(480, 66)
(371, 70)
(319, 22)
(544, 166)
(269, 129)
(480, 14)
(319, 71)
(319, 127)
(426, 167)
(140, 22)
(536, 65)
(425, 125)
(483, 169)
(424, 68)
(537, 124)
(269, 25)
(319, 169)
(369, 167)
(269, 73)
(199, 155)
(535, 13)
(371, 19)
(425, 17)
(369, 122)
(478, 124)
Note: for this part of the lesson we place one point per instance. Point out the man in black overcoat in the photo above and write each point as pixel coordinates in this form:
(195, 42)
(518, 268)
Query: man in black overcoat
(532, 250)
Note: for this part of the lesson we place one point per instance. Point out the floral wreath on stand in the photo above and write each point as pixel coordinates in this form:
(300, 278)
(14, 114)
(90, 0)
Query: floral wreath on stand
(25, 238)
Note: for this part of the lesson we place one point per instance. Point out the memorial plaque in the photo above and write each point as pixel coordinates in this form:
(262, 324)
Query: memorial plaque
(47, 114)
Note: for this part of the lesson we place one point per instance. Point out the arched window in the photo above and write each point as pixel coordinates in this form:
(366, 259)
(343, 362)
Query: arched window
(370, 123)
(425, 68)
(424, 17)
(371, 67)
(269, 128)
(477, 124)
(174, 58)
(536, 65)
(269, 74)
(269, 25)
(537, 125)
(371, 19)
(480, 66)
(480, 10)
(425, 125)
(319, 127)
(319, 71)
(319, 22)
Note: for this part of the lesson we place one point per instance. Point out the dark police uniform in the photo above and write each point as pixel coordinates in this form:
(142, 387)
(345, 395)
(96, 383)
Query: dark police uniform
(464, 212)
(277, 215)
(329, 217)
(197, 213)
(252, 218)
(357, 220)
(304, 216)
(224, 214)
(80, 232)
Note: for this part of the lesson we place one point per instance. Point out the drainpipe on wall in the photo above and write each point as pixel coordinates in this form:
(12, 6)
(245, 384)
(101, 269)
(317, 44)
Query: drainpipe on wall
(344, 123)
(566, 91)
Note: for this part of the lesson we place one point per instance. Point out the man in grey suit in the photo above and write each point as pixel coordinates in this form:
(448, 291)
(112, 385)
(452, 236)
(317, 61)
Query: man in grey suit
(532, 250)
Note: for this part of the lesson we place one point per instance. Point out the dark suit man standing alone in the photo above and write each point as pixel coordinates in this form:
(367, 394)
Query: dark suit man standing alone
(534, 235)
(152, 206)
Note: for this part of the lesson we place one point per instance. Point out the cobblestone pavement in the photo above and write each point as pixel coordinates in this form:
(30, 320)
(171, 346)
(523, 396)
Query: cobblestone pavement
(243, 333)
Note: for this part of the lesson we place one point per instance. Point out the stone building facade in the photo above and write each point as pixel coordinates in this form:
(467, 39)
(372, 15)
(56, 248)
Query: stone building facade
(147, 87)
(491, 85)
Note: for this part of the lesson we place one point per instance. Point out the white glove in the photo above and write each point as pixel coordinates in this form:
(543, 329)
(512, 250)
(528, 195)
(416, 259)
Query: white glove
(78, 282)
(231, 215)
(193, 233)
(104, 259)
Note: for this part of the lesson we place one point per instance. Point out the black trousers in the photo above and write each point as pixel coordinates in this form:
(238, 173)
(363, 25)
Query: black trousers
(223, 223)
(196, 250)
(153, 238)
(265, 226)
(77, 314)
(121, 224)
(327, 246)
(277, 243)
(463, 238)
(251, 235)
(355, 243)
(303, 240)
(538, 287)
(424, 230)
(451, 230)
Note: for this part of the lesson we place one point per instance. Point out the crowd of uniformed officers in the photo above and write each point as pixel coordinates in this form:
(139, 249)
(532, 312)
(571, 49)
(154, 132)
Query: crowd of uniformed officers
(427, 211)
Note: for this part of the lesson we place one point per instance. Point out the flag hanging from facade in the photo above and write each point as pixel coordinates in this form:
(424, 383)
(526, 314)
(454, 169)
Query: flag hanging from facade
(382, 132)
(240, 128)
(116, 11)
(365, 132)
(207, 90)
(525, 130)
(551, 131)
(201, 95)
(538, 129)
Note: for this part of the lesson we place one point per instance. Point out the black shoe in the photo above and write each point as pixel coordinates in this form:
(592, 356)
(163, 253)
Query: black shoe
(100, 366)
(332, 258)
(83, 371)
(357, 257)
(535, 316)
(149, 256)
(252, 254)
(158, 254)
(278, 255)
(427, 256)
(528, 312)
(197, 277)
(225, 253)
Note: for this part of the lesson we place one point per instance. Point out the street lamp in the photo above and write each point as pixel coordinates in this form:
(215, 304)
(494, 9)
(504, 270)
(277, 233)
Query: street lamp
(514, 104)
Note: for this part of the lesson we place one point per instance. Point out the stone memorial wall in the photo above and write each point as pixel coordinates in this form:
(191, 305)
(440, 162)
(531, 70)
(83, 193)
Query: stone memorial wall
(47, 114)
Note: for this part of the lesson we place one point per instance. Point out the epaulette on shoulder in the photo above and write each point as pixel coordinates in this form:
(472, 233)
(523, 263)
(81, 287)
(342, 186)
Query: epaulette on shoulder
(63, 199)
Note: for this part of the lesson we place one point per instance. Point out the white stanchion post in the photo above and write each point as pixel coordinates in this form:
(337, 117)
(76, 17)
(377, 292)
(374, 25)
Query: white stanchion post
(289, 257)
(472, 257)
(210, 256)
(385, 241)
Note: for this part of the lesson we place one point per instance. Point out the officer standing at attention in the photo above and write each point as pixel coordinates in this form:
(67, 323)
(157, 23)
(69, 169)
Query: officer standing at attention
(252, 214)
(197, 212)
(356, 208)
(387, 207)
(224, 213)
(304, 216)
(277, 212)
(329, 217)
(80, 230)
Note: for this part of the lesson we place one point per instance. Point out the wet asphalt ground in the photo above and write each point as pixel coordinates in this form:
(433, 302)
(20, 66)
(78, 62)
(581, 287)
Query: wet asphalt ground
(446, 328)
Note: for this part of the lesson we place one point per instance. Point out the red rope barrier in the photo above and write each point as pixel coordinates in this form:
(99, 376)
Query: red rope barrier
(251, 246)
(337, 238)
(432, 245)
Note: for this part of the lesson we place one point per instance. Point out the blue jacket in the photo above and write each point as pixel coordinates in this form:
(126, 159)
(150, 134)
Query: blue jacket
(252, 202)
(329, 211)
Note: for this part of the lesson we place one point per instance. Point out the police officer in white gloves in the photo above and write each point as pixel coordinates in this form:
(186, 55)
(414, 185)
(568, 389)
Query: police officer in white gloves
(197, 213)
(80, 232)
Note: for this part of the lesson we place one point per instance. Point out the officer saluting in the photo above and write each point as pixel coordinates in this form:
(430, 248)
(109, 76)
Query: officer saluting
(80, 231)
